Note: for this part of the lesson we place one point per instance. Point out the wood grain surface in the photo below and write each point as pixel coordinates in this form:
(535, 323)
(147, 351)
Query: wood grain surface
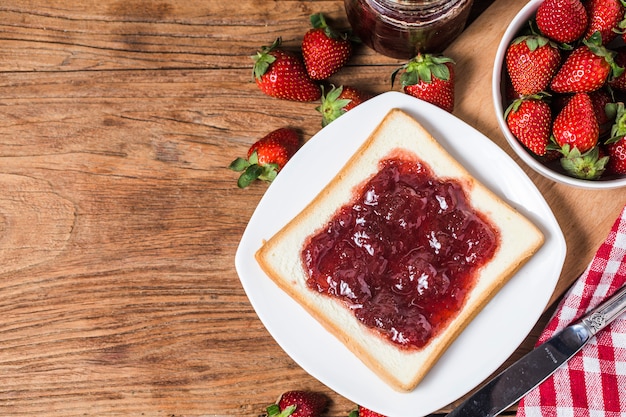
(119, 220)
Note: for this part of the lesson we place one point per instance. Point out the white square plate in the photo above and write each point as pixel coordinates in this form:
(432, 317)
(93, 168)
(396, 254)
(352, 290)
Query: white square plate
(488, 340)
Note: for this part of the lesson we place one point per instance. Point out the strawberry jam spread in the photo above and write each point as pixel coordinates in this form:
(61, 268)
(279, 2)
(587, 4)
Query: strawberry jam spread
(403, 254)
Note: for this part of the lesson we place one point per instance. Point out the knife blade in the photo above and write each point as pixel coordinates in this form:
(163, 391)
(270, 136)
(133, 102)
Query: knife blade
(510, 386)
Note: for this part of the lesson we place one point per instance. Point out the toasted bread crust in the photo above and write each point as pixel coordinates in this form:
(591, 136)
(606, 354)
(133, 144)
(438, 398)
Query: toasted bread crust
(280, 259)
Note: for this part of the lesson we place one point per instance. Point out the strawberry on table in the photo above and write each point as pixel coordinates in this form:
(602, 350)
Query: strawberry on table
(325, 51)
(586, 69)
(562, 20)
(429, 78)
(339, 100)
(364, 412)
(530, 120)
(531, 62)
(282, 74)
(298, 404)
(604, 16)
(267, 156)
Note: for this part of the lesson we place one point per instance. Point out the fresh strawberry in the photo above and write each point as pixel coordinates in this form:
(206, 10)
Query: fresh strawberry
(325, 51)
(604, 16)
(267, 156)
(575, 132)
(586, 69)
(339, 100)
(532, 61)
(576, 125)
(364, 412)
(588, 163)
(529, 120)
(562, 20)
(282, 74)
(429, 78)
(616, 144)
(298, 404)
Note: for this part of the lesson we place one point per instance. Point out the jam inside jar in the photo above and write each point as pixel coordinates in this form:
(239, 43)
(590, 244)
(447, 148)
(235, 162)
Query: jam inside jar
(403, 254)
(403, 28)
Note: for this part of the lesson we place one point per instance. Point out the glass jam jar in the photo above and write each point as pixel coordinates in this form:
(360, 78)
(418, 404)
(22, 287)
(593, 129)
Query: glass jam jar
(403, 28)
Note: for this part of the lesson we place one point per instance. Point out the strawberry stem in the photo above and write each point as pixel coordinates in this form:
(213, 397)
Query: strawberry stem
(251, 170)
(263, 58)
(249, 175)
(586, 166)
(332, 106)
(319, 22)
(422, 68)
(533, 41)
(518, 102)
(239, 164)
(274, 411)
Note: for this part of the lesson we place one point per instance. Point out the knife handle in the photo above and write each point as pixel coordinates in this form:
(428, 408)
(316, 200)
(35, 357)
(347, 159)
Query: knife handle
(601, 316)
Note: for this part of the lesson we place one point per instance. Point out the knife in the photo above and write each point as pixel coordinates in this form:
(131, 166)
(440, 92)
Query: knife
(532, 369)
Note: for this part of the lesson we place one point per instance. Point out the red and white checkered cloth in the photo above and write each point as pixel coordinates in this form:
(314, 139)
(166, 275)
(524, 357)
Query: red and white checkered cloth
(593, 382)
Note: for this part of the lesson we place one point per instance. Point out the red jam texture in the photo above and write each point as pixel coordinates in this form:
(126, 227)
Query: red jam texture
(404, 254)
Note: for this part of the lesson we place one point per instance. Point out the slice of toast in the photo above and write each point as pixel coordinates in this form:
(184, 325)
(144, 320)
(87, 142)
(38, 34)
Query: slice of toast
(281, 256)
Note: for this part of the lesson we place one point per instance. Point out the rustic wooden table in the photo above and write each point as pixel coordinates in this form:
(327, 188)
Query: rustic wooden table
(119, 220)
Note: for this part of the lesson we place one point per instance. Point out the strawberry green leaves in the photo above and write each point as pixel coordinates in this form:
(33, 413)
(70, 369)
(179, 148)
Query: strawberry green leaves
(429, 78)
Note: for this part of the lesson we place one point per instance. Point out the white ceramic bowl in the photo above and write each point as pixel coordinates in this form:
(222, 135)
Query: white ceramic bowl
(552, 171)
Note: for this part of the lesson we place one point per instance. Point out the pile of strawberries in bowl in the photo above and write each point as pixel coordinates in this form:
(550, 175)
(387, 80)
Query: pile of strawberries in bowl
(559, 88)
